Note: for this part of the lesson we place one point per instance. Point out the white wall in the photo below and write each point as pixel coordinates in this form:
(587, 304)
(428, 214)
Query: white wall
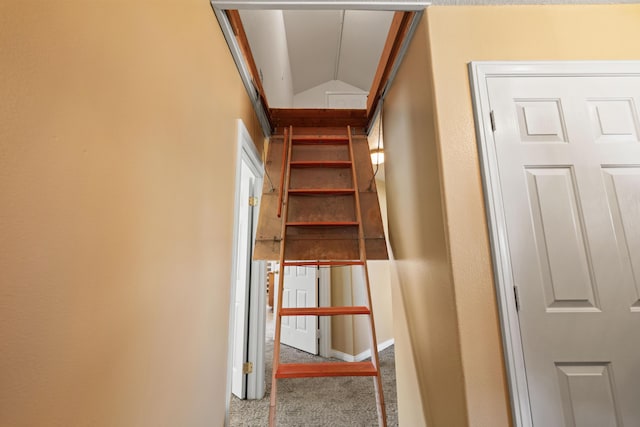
(316, 97)
(268, 41)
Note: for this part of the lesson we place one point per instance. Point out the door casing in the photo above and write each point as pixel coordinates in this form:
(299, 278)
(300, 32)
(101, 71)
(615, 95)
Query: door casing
(479, 71)
(247, 153)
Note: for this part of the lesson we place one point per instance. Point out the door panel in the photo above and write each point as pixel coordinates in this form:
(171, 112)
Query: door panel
(558, 229)
(300, 290)
(588, 394)
(622, 191)
(569, 168)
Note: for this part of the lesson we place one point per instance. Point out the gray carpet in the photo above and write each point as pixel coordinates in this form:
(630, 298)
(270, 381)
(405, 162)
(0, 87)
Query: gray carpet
(316, 402)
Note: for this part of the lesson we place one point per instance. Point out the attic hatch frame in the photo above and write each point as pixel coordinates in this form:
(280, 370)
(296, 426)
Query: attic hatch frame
(405, 21)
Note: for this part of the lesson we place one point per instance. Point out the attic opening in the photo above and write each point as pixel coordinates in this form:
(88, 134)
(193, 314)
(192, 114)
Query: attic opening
(318, 67)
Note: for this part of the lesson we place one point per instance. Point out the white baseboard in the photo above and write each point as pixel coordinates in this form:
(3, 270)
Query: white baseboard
(360, 356)
(387, 343)
(342, 356)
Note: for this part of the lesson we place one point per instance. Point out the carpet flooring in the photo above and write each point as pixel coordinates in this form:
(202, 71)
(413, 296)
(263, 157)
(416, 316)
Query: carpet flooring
(317, 402)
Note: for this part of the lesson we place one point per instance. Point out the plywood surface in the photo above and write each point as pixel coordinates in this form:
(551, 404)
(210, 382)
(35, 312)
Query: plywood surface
(320, 243)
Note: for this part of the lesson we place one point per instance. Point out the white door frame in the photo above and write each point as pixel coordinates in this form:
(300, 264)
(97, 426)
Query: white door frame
(503, 276)
(406, 5)
(248, 154)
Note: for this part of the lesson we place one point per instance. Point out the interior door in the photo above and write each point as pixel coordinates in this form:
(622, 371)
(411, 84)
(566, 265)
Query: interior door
(300, 290)
(568, 156)
(243, 278)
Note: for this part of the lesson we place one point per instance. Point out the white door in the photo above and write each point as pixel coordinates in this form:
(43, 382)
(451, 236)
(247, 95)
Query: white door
(243, 278)
(300, 290)
(568, 156)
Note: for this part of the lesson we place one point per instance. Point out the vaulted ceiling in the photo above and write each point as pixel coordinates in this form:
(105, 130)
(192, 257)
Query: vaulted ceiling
(335, 45)
(326, 45)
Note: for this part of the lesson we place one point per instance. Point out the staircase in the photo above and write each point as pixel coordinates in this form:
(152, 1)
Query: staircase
(321, 211)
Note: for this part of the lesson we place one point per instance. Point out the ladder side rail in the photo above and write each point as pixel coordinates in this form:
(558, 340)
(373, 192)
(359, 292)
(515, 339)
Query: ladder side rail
(282, 167)
(283, 242)
(382, 415)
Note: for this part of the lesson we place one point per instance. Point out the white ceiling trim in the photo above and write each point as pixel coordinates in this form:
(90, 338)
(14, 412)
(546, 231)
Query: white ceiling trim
(399, 5)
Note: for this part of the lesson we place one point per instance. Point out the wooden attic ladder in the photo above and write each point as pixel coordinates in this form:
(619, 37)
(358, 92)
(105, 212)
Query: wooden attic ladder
(321, 220)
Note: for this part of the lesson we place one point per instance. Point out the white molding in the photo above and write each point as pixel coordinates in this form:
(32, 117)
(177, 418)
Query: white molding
(553, 68)
(257, 321)
(400, 5)
(479, 72)
(386, 344)
(247, 148)
(247, 153)
(336, 354)
(257, 291)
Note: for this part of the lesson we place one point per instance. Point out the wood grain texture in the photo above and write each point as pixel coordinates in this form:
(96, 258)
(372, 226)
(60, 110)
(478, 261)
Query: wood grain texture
(326, 369)
(397, 34)
(243, 42)
(321, 117)
(325, 311)
(335, 203)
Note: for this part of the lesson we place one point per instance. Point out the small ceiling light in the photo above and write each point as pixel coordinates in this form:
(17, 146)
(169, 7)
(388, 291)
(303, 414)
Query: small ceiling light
(377, 156)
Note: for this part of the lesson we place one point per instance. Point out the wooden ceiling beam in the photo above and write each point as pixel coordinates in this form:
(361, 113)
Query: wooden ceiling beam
(317, 117)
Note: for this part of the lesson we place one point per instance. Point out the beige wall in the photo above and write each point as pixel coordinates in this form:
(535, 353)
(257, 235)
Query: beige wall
(350, 334)
(342, 295)
(117, 151)
(380, 279)
(424, 309)
(438, 57)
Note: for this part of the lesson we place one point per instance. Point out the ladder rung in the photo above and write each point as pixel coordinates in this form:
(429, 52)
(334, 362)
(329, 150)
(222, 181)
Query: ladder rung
(320, 139)
(326, 369)
(324, 311)
(320, 191)
(323, 224)
(321, 164)
(321, 263)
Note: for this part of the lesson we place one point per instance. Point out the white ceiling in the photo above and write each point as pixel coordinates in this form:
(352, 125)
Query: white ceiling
(323, 47)
(363, 39)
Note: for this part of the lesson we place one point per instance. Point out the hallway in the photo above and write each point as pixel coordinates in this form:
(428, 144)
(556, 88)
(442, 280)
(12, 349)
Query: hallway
(317, 402)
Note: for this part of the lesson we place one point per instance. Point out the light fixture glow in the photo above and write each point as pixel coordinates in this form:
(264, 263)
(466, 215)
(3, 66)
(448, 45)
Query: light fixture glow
(377, 156)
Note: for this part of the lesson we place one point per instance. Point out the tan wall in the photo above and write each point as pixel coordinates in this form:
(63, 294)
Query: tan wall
(117, 153)
(455, 36)
(342, 326)
(380, 279)
(424, 306)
